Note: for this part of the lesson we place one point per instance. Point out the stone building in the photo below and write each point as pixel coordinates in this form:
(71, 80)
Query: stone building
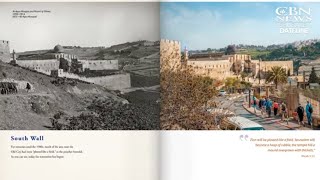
(306, 68)
(44, 66)
(4, 51)
(213, 68)
(99, 64)
(218, 65)
(58, 63)
(265, 66)
(57, 59)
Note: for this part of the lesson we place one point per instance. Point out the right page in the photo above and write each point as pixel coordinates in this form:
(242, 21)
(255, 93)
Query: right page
(235, 68)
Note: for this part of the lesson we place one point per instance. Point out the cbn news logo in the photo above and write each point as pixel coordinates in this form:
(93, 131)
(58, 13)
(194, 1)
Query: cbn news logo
(293, 20)
(293, 14)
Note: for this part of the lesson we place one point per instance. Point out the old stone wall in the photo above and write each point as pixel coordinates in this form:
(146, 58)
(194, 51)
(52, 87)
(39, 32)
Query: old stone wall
(218, 69)
(238, 57)
(44, 66)
(113, 82)
(4, 51)
(100, 64)
(267, 65)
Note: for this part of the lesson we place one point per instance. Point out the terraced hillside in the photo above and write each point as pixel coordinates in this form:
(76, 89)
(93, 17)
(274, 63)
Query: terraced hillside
(59, 99)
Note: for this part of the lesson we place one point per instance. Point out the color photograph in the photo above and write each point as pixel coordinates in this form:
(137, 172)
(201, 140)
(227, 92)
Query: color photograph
(240, 66)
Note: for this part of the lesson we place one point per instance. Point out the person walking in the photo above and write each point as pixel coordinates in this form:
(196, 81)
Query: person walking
(309, 111)
(300, 112)
(283, 111)
(275, 108)
(263, 106)
(28, 87)
(261, 103)
(255, 104)
(268, 107)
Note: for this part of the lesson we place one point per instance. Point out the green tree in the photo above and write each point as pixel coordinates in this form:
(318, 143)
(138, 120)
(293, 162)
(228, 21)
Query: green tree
(231, 49)
(313, 78)
(277, 75)
(243, 75)
(231, 84)
(245, 85)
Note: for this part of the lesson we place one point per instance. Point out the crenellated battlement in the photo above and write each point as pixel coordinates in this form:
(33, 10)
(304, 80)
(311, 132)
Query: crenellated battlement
(172, 42)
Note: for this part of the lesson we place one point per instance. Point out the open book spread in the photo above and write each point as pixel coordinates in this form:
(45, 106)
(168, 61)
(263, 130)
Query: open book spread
(75, 77)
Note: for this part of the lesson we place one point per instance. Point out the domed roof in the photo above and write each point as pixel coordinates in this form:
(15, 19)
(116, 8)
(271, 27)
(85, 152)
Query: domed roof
(58, 49)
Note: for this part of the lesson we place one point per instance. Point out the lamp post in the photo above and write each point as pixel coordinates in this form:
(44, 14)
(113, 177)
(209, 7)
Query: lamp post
(291, 104)
(259, 77)
(304, 80)
(259, 71)
(249, 104)
(265, 80)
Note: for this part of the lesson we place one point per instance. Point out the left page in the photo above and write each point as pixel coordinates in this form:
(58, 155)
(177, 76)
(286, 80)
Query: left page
(79, 66)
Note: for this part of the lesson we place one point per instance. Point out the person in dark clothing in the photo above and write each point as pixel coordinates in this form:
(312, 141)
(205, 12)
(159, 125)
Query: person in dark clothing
(28, 87)
(260, 104)
(283, 111)
(300, 112)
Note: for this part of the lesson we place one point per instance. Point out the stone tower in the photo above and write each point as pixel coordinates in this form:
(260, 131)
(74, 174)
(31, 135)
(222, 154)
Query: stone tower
(170, 54)
(4, 51)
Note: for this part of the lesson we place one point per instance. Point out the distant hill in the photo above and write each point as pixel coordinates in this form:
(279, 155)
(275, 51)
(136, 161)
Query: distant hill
(296, 51)
(132, 50)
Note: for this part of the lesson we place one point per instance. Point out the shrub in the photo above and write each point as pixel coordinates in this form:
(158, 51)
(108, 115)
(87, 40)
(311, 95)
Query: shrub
(184, 96)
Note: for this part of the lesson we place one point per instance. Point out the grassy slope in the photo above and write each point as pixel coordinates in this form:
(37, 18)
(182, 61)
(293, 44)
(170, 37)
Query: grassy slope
(32, 110)
(256, 53)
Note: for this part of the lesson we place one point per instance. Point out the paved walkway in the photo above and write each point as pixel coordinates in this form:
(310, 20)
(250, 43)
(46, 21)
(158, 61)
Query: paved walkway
(291, 124)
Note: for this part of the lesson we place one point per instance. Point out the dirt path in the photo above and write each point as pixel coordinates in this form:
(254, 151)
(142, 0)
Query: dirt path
(149, 89)
(26, 94)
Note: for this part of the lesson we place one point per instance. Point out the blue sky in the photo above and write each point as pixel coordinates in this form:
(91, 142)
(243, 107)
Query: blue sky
(216, 25)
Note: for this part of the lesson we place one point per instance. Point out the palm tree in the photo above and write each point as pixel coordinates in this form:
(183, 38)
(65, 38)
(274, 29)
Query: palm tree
(277, 75)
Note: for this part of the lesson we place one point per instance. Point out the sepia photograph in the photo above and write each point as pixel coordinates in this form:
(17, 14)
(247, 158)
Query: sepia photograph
(79, 66)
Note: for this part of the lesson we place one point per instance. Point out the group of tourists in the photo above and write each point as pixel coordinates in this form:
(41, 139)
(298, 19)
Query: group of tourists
(267, 106)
